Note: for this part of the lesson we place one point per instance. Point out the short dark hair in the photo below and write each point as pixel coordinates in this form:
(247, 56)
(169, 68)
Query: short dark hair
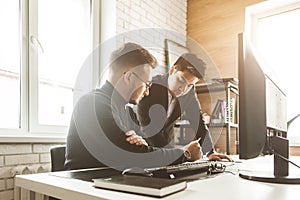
(131, 55)
(191, 63)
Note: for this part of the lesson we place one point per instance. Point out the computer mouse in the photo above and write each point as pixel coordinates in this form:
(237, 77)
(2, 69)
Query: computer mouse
(136, 171)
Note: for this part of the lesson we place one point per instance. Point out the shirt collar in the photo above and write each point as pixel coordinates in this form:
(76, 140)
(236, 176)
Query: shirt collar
(116, 98)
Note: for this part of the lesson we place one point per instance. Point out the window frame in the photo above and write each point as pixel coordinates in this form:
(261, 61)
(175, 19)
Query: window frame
(29, 130)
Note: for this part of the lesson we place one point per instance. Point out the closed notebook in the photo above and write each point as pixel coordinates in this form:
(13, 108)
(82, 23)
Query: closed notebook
(141, 185)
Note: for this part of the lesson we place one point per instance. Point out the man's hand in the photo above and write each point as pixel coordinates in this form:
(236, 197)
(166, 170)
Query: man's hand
(219, 157)
(133, 138)
(195, 150)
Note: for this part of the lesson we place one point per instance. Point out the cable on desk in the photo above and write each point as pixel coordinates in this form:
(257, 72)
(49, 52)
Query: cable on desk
(282, 157)
(272, 151)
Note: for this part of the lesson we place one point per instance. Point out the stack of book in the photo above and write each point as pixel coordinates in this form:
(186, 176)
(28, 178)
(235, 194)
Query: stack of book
(151, 186)
(223, 112)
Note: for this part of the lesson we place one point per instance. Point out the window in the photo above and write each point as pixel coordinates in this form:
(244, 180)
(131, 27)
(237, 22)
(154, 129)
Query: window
(43, 46)
(59, 44)
(275, 32)
(9, 64)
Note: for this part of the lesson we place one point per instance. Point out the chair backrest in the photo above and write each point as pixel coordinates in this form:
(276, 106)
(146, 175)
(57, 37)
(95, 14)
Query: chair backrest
(57, 154)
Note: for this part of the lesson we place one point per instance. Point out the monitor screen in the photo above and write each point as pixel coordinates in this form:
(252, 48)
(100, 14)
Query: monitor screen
(252, 112)
(262, 116)
(262, 104)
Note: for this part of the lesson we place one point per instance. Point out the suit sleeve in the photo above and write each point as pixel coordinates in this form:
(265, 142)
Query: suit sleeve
(152, 117)
(194, 113)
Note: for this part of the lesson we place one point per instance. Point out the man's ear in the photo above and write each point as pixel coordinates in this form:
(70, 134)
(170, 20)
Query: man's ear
(127, 77)
(172, 69)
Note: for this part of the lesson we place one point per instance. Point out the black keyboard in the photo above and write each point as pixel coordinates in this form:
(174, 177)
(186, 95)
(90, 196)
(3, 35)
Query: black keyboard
(181, 170)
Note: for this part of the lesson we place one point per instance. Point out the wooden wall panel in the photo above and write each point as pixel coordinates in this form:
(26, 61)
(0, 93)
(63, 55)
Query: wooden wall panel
(214, 24)
(294, 151)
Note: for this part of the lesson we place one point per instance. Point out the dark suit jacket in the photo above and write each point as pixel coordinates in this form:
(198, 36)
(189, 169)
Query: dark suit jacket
(96, 135)
(157, 117)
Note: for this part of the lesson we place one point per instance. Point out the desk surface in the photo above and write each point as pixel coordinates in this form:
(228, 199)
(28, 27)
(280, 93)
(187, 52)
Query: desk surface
(222, 187)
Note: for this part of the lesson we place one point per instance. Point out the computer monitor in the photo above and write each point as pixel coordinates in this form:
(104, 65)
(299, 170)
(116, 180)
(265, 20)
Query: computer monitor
(262, 117)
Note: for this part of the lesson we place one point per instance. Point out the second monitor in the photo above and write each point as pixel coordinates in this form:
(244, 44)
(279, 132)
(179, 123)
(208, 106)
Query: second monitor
(262, 117)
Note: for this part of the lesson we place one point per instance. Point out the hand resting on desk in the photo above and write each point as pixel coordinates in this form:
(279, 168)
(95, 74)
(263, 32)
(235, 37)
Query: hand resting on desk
(219, 157)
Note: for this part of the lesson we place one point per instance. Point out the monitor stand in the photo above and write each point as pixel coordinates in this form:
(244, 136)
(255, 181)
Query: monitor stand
(281, 166)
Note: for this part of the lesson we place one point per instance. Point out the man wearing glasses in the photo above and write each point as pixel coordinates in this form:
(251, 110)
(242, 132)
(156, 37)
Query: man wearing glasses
(170, 96)
(101, 120)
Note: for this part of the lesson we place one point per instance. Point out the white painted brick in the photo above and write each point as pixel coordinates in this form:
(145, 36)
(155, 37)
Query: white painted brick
(147, 22)
(6, 149)
(42, 148)
(181, 21)
(151, 17)
(1, 160)
(127, 8)
(9, 183)
(175, 21)
(21, 159)
(134, 15)
(135, 3)
(166, 14)
(5, 172)
(144, 5)
(125, 2)
(162, 3)
(120, 6)
(45, 157)
(7, 195)
(153, 7)
(2, 184)
(164, 11)
(138, 24)
(122, 15)
(137, 9)
(132, 26)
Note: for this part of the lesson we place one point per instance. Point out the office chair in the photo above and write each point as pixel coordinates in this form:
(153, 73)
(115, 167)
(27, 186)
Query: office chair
(57, 154)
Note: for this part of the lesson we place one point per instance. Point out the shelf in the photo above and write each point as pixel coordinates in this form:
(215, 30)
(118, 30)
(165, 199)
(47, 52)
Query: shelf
(230, 87)
(234, 125)
(217, 86)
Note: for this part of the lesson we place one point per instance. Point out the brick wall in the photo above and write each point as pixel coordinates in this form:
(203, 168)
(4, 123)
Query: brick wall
(131, 15)
(168, 17)
(167, 14)
(21, 159)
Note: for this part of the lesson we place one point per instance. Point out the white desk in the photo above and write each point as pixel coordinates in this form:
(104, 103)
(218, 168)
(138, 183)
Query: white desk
(222, 187)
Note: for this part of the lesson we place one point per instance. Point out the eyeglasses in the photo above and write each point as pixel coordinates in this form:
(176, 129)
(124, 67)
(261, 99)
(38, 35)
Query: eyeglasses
(147, 83)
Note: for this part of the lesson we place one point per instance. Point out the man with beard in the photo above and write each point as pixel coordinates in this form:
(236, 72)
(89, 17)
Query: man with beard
(101, 119)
